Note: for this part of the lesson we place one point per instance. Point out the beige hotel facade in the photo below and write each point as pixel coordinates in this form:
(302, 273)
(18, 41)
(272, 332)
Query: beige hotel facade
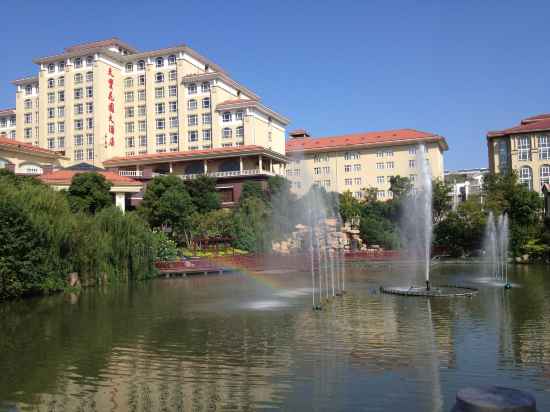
(359, 161)
(105, 99)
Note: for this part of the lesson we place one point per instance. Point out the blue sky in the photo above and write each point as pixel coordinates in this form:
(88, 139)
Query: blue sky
(455, 68)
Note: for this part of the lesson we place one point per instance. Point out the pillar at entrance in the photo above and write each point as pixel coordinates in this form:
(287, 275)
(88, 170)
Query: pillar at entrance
(120, 200)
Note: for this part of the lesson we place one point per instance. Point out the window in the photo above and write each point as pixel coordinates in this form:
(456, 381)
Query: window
(544, 174)
(78, 93)
(89, 123)
(227, 144)
(326, 170)
(357, 180)
(191, 88)
(129, 97)
(316, 170)
(143, 140)
(206, 134)
(61, 66)
(380, 165)
(412, 150)
(351, 156)
(61, 111)
(141, 111)
(174, 138)
(128, 112)
(192, 135)
(191, 104)
(142, 126)
(141, 65)
(51, 68)
(347, 168)
(78, 154)
(128, 82)
(173, 106)
(206, 103)
(61, 81)
(28, 118)
(390, 165)
(173, 122)
(28, 104)
(90, 153)
(130, 142)
(129, 67)
(89, 61)
(159, 108)
(28, 133)
(159, 77)
(89, 91)
(78, 108)
(348, 182)
(51, 83)
(51, 128)
(160, 124)
(159, 62)
(90, 139)
(78, 124)
(61, 127)
(412, 178)
(159, 92)
(172, 75)
(326, 183)
(227, 133)
(412, 164)
(28, 90)
(205, 87)
(380, 153)
(380, 179)
(61, 142)
(239, 115)
(206, 118)
(239, 132)
(78, 140)
(129, 127)
(78, 63)
(51, 143)
(357, 167)
(226, 116)
(89, 76)
(172, 91)
(172, 59)
(141, 80)
(380, 194)
(388, 152)
(192, 120)
(141, 95)
(526, 177)
(51, 98)
(61, 96)
(524, 148)
(89, 107)
(544, 147)
(320, 158)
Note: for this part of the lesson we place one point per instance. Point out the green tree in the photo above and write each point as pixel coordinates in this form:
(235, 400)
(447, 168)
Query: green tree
(203, 193)
(250, 219)
(252, 189)
(441, 201)
(350, 207)
(399, 186)
(89, 192)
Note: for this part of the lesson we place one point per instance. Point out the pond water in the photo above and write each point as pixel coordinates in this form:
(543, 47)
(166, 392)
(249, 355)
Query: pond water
(245, 342)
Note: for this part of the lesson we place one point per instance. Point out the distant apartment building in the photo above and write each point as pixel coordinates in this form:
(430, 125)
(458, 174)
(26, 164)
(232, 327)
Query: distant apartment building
(524, 148)
(7, 123)
(465, 184)
(359, 161)
(105, 99)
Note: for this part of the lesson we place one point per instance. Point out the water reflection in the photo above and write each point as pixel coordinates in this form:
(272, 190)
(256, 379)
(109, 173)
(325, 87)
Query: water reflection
(242, 342)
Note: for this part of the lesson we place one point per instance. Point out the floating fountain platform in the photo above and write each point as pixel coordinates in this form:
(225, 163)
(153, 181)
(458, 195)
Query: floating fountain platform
(444, 291)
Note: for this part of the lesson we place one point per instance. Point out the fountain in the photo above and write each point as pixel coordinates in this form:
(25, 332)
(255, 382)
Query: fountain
(418, 224)
(496, 244)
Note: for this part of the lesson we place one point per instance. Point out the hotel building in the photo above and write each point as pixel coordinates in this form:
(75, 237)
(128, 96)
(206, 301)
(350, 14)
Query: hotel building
(524, 148)
(103, 100)
(359, 161)
(7, 123)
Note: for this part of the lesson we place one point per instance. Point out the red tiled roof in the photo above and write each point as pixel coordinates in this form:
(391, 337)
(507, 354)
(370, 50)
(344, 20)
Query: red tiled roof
(366, 138)
(181, 155)
(26, 147)
(7, 111)
(66, 176)
(536, 118)
(532, 126)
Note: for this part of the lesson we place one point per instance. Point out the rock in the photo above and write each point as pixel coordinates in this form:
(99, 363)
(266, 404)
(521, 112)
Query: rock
(494, 398)
(73, 280)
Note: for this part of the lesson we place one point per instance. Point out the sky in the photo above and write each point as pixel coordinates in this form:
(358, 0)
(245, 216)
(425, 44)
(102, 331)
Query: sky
(454, 68)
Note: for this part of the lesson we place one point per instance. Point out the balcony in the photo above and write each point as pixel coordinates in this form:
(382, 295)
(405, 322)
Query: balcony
(131, 173)
(217, 175)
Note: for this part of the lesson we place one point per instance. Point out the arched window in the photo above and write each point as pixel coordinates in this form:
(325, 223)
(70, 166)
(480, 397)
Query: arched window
(545, 174)
(159, 77)
(89, 60)
(31, 169)
(141, 65)
(159, 61)
(227, 132)
(128, 82)
(526, 177)
(129, 67)
(51, 68)
(172, 59)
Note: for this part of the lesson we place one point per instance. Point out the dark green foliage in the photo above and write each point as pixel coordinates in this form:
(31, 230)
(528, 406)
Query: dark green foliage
(203, 193)
(89, 193)
(251, 219)
(252, 189)
(350, 207)
(400, 186)
(441, 202)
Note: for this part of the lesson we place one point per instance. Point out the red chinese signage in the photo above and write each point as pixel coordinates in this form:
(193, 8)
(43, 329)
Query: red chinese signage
(111, 128)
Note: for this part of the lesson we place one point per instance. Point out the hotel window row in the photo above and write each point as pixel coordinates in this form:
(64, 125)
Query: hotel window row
(526, 175)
